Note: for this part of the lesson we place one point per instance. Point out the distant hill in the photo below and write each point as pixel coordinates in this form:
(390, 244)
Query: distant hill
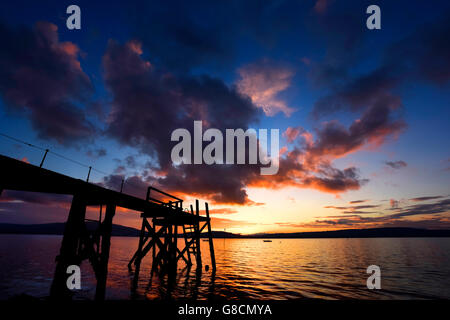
(122, 231)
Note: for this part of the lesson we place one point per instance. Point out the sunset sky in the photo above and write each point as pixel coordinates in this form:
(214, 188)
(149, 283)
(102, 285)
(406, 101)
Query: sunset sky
(363, 114)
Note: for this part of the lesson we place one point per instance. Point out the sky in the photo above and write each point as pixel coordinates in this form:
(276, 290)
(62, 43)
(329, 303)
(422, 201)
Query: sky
(362, 114)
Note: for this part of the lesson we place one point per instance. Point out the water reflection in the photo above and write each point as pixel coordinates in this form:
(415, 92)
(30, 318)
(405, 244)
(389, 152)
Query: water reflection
(246, 268)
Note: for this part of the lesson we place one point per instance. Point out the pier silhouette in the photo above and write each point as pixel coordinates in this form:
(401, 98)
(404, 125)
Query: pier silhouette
(161, 220)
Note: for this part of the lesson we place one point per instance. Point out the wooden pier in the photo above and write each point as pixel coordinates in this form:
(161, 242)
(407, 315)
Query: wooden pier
(161, 221)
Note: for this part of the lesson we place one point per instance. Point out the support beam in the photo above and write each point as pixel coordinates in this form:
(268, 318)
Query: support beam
(139, 250)
(197, 236)
(186, 245)
(175, 245)
(69, 248)
(104, 255)
(211, 244)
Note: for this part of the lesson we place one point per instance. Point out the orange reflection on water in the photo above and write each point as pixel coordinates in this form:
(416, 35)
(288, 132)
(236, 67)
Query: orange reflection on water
(247, 268)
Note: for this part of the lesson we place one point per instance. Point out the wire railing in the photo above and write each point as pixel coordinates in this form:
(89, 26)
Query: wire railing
(89, 168)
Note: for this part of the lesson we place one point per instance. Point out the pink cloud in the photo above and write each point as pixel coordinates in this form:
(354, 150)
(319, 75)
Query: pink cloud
(262, 82)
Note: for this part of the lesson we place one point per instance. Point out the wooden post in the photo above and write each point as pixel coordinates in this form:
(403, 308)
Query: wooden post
(89, 174)
(185, 245)
(154, 244)
(197, 236)
(138, 255)
(104, 256)
(43, 159)
(211, 244)
(69, 248)
(174, 247)
(121, 185)
(169, 245)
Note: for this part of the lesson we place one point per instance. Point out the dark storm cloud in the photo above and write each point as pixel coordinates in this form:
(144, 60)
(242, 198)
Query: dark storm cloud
(421, 56)
(374, 126)
(41, 77)
(149, 104)
(396, 164)
(357, 94)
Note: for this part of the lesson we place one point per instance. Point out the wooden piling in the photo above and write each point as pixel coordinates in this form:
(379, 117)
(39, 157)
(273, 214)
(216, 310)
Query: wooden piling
(211, 244)
(104, 255)
(197, 236)
(137, 256)
(69, 248)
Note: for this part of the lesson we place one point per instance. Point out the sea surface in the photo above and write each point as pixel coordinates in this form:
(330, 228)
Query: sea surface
(411, 268)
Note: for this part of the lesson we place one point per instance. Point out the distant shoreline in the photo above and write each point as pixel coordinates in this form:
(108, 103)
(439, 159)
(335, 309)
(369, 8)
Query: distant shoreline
(122, 231)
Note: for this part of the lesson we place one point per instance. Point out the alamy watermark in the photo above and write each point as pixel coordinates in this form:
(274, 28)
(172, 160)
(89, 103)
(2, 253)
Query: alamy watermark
(73, 281)
(213, 153)
(374, 281)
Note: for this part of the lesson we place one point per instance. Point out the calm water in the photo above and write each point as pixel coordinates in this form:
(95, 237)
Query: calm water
(411, 268)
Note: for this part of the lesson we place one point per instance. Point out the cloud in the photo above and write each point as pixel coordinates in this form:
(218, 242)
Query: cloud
(145, 97)
(376, 124)
(357, 201)
(41, 78)
(354, 209)
(420, 56)
(439, 210)
(396, 164)
(426, 198)
(292, 133)
(262, 82)
(442, 206)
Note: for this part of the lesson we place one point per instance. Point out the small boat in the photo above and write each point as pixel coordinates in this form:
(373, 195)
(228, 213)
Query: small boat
(267, 240)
